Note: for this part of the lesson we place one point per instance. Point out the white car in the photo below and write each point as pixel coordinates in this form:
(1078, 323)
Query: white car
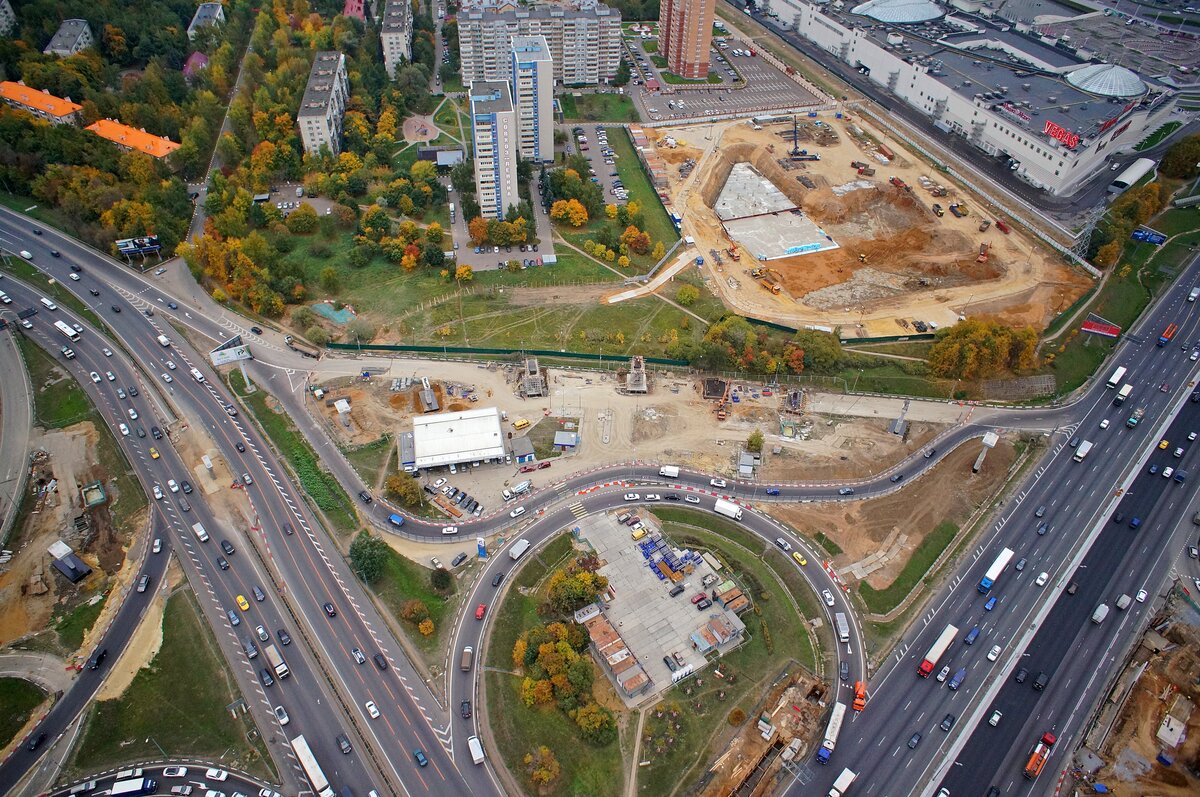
(1042, 579)
(75, 277)
(107, 351)
(994, 653)
(517, 512)
(828, 596)
(124, 430)
(372, 709)
(95, 377)
(632, 497)
(174, 772)
(167, 378)
(439, 483)
(692, 499)
(172, 485)
(994, 720)
(111, 376)
(216, 774)
(944, 674)
(717, 483)
(1141, 596)
(158, 493)
(652, 496)
(157, 549)
(133, 416)
(170, 365)
(1104, 423)
(282, 715)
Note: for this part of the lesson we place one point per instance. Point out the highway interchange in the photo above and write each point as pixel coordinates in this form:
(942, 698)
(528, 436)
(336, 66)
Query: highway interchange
(1078, 496)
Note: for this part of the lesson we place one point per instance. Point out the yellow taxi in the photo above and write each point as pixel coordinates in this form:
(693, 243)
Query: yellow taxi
(153, 452)
(1164, 443)
(800, 560)
(243, 604)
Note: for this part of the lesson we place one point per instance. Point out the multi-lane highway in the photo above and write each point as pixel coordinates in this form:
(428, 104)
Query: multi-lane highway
(1076, 496)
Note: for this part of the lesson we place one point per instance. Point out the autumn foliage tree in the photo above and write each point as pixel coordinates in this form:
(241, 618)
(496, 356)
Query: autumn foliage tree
(569, 211)
(542, 766)
(980, 349)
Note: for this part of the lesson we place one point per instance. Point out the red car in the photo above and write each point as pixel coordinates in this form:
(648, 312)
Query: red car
(542, 465)
(698, 598)
(528, 468)
(482, 609)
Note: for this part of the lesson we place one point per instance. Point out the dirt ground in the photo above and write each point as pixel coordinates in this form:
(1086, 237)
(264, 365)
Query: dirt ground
(897, 261)
(1132, 745)
(30, 590)
(949, 492)
(827, 449)
(147, 639)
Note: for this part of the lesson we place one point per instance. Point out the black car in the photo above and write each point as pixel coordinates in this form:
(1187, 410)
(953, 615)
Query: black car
(287, 529)
(133, 391)
(97, 659)
(76, 268)
(93, 292)
(172, 305)
(1118, 517)
(672, 496)
(464, 709)
(365, 497)
(1022, 674)
(846, 491)
(186, 486)
(35, 741)
(844, 671)
(222, 563)
(897, 477)
(458, 560)
(116, 309)
(947, 722)
(256, 330)
(496, 579)
(156, 433)
(329, 610)
(1020, 565)
(36, 231)
(227, 547)
(913, 741)
(265, 676)
(240, 447)
(380, 661)
(56, 253)
(344, 744)
(285, 638)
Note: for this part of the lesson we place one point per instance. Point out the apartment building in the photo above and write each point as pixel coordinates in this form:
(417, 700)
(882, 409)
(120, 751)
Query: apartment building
(685, 35)
(584, 39)
(533, 97)
(396, 34)
(132, 138)
(41, 104)
(206, 14)
(494, 139)
(324, 103)
(73, 36)
(8, 19)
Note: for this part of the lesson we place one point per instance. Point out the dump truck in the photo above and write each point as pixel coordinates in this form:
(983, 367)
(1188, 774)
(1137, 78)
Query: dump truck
(959, 210)
(301, 348)
(1039, 755)
(866, 171)
(1136, 418)
(860, 696)
(983, 253)
(1002, 227)
(769, 284)
(896, 181)
(733, 253)
(938, 211)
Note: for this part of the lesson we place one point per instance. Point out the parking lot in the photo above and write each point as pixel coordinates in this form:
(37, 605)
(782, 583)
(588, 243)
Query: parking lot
(748, 85)
(488, 259)
(591, 141)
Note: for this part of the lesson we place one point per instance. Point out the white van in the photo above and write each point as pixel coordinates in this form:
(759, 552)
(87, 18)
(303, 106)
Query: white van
(201, 534)
(164, 341)
(476, 749)
(49, 305)
(199, 377)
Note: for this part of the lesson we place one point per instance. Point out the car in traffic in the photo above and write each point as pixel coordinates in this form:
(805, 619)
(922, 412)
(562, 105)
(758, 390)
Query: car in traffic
(913, 741)
(242, 603)
(329, 610)
(717, 483)
(994, 653)
(632, 497)
(464, 709)
(372, 709)
(994, 720)
(282, 715)
(419, 757)
(480, 611)
(828, 597)
(800, 560)
(692, 499)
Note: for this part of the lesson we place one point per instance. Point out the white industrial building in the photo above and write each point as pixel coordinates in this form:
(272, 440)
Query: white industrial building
(455, 437)
(1039, 103)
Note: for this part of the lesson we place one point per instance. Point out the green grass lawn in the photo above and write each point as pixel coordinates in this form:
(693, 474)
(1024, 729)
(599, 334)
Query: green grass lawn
(882, 601)
(177, 704)
(370, 459)
(19, 698)
(315, 481)
(658, 223)
(72, 626)
(542, 436)
(649, 45)
(404, 580)
(829, 545)
(516, 728)
(58, 400)
(1155, 138)
(598, 108)
(889, 377)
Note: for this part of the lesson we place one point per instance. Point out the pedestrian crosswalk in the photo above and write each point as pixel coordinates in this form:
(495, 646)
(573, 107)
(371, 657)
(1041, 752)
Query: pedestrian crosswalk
(578, 509)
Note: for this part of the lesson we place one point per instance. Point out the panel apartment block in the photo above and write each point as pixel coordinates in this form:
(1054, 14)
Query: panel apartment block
(494, 137)
(396, 34)
(324, 103)
(685, 34)
(533, 97)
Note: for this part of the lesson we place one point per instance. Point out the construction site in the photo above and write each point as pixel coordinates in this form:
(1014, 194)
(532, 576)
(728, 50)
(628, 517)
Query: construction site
(826, 223)
(1145, 738)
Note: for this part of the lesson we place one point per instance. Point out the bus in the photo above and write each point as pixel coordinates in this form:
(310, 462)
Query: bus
(312, 770)
(67, 330)
(1116, 378)
(831, 733)
(993, 572)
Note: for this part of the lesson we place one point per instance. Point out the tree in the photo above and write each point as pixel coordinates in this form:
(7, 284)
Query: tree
(754, 443)
(687, 295)
(623, 261)
(978, 349)
(659, 251)
(329, 279)
(426, 627)
(610, 211)
(440, 579)
(1180, 161)
(433, 233)
(464, 273)
(570, 211)
(414, 610)
(317, 335)
(596, 723)
(542, 766)
(368, 555)
(360, 331)
(623, 74)
(518, 653)
(477, 228)
(405, 489)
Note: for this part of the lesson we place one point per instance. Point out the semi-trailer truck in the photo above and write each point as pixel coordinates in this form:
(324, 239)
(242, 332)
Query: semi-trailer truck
(989, 578)
(301, 348)
(669, 471)
(131, 786)
(1168, 334)
(277, 663)
(936, 651)
(831, 733)
(842, 784)
(728, 509)
(1039, 755)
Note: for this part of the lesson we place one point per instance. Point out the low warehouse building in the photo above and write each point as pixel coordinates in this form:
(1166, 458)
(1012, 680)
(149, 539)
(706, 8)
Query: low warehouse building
(451, 438)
